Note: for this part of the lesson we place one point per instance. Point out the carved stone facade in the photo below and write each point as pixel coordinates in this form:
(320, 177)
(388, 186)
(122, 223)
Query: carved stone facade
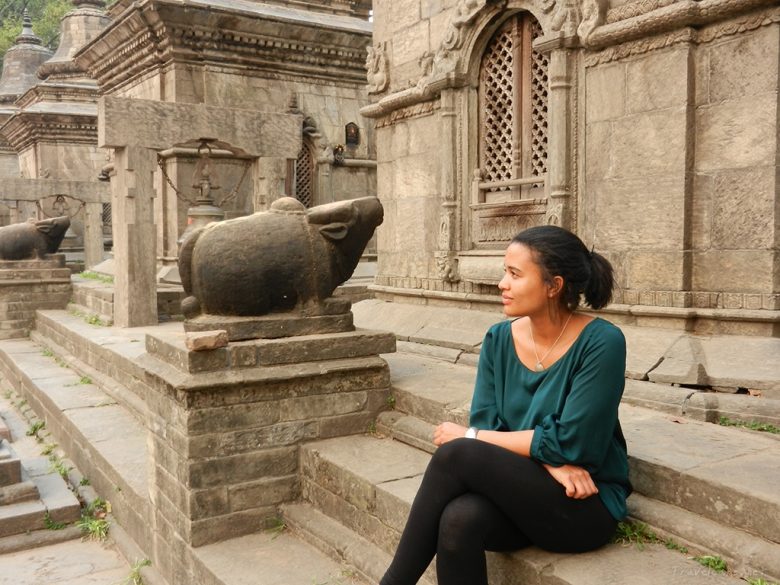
(660, 138)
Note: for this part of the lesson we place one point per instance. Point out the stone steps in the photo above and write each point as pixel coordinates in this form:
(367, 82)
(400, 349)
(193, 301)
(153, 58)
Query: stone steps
(723, 477)
(367, 485)
(34, 496)
(103, 438)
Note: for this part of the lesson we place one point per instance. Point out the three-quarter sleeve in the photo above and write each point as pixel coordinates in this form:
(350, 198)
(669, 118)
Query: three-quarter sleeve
(484, 409)
(580, 432)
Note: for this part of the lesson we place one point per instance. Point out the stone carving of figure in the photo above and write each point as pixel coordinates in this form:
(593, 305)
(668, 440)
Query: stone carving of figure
(376, 67)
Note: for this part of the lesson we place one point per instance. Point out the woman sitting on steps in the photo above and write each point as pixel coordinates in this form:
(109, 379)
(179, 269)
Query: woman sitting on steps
(544, 462)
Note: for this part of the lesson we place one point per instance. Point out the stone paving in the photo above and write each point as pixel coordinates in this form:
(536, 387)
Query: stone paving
(68, 563)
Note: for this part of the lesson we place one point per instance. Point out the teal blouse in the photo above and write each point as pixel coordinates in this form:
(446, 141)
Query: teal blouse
(572, 406)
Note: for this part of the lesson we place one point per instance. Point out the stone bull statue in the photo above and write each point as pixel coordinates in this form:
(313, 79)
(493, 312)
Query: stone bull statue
(288, 258)
(32, 239)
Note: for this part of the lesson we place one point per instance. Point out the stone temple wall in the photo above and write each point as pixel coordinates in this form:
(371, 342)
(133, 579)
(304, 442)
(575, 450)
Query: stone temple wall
(661, 151)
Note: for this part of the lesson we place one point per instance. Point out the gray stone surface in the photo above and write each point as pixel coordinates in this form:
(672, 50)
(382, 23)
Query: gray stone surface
(269, 558)
(68, 563)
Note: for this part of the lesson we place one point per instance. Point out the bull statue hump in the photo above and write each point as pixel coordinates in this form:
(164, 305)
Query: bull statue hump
(286, 259)
(32, 239)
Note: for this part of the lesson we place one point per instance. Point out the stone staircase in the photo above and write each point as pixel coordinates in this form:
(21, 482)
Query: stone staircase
(706, 487)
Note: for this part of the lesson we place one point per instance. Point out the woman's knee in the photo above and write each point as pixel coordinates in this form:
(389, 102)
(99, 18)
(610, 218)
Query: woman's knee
(455, 454)
(464, 522)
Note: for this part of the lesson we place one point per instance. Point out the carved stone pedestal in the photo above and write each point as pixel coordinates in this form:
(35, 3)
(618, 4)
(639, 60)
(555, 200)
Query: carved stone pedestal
(29, 285)
(226, 425)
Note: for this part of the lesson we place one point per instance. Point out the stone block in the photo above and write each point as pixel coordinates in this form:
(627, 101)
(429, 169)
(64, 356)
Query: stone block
(743, 271)
(249, 440)
(209, 503)
(406, 13)
(231, 526)
(323, 347)
(605, 92)
(409, 44)
(231, 418)
(274, 326)
(243, 467)
(658, 80)
(743, 214)
(661, 269)
(650, 144)
(598, 150)
(736, 134)
(312, 407)
(265, 492)
(660, 203)
(206, 340)
(745, 65)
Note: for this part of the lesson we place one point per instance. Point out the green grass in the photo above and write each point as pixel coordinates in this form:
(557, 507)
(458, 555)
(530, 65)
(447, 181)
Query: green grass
(51, 524)
(134, 578)
(97, 277)
(89, 318)
(640, 534)
(713, 562)
(47, 352)
(391, 401)
(59, 466)
(760, 581)
(48, 449)
(275, 527)
(35, 428)
(84, 481)
(93, 523)
(752, 425)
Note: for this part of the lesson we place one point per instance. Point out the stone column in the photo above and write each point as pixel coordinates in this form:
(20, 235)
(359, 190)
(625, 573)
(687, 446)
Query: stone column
(28, 210)
(446, 244)
(135, 241)
(14, 212)
(269, 181)
(93, 234)
(560, 145)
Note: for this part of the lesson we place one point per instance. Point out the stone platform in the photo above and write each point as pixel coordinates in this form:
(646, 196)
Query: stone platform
(28, 285)
(343, 491)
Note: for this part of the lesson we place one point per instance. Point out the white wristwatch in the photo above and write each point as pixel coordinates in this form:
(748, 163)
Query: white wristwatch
(471, 433)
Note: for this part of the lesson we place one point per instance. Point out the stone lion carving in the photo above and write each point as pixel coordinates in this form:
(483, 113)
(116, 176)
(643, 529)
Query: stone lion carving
(376, 68)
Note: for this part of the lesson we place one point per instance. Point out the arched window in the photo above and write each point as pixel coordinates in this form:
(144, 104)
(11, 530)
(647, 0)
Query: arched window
(304, 173)
(513, 104)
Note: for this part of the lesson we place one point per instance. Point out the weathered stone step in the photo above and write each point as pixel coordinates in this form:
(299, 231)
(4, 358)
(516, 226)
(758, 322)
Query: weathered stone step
(745, 554)
(10, 466)
(102, 438)
(338, 541)
(273, 557)
(718, 472)
(367, 484)
(108, 355)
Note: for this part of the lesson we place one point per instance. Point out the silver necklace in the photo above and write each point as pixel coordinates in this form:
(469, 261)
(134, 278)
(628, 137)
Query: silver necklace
(539, 367)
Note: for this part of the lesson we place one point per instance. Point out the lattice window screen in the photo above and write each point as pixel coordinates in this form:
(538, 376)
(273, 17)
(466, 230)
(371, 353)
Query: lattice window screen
(513, 103)
(498, 110)
(106, 214)
(304, 175)
(539, 65)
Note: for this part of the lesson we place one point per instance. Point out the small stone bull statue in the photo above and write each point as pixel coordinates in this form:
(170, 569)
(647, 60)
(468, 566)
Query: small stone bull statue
(32, 239)
(285, 259)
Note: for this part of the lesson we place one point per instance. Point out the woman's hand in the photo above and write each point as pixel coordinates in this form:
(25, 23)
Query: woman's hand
(577, 481)
(446, 432)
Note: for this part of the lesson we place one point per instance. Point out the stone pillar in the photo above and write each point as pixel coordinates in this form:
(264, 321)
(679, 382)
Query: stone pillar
(446, 241)
(27, 210)
(269, 181)
(93, 234)
(560, 145)
(14, 212)
(135, 241)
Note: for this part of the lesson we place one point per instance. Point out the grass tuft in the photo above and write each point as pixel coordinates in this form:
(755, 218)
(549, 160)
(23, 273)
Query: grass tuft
(752, 425)
(713, 562)
(93, 523)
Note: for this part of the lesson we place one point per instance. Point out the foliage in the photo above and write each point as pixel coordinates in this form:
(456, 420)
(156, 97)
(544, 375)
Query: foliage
(51, 524)
(752, 425)
(104, 278)
(712, 562)
(135, 577)
(35, 427)
(45, 14)
(93, 523)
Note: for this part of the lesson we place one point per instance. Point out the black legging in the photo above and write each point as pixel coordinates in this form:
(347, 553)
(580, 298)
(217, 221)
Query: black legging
(476, 497)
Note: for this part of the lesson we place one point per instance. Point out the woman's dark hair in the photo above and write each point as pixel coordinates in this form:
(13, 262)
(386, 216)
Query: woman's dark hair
(561, 253)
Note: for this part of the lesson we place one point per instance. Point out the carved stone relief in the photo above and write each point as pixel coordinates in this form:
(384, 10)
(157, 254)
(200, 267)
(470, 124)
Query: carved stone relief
(377, 69)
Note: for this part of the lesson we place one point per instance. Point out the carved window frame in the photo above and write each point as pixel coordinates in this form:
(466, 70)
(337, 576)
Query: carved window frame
(525, 154)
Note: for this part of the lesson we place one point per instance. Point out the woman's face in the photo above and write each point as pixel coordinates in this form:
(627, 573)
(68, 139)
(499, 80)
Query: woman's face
(523, 289)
